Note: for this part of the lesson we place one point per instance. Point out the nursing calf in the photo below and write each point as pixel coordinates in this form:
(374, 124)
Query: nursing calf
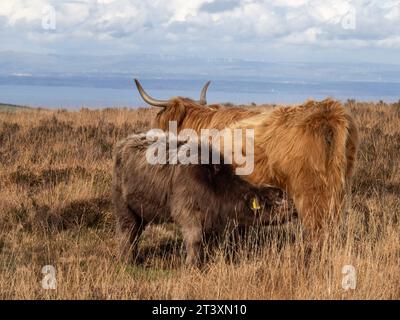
(204, 200)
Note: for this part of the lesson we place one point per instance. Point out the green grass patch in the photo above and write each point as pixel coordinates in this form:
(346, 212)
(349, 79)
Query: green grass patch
(149, 274)
(11, 107)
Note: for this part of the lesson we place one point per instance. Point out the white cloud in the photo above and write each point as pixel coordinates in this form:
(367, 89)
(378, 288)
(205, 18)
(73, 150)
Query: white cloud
(291, 3)
(180, 10)
(308, 36)
(15, 11)
(329, 11)
(179, 24)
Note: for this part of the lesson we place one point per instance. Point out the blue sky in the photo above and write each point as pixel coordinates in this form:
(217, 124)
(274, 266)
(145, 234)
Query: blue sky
(280, 30)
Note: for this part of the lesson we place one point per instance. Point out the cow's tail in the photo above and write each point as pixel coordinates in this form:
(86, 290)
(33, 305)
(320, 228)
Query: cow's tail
(327, 125)
(328, 122)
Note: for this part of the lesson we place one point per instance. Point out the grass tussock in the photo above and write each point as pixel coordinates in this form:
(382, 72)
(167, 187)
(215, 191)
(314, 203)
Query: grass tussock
(55, 209)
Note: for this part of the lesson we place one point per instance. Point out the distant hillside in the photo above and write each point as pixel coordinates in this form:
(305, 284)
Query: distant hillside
(11, 107)
(26, 65)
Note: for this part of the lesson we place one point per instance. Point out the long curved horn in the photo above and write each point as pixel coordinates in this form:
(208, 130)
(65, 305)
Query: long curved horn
(148, 99)
(203, 94)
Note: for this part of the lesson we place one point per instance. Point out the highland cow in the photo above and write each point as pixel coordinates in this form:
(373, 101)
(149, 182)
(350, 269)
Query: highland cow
(307, 150)
(204, 200)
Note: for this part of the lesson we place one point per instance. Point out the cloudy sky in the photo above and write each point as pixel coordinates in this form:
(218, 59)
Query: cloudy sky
(278, 30)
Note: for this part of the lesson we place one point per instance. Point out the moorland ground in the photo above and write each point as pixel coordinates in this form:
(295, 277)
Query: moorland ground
(55, 209)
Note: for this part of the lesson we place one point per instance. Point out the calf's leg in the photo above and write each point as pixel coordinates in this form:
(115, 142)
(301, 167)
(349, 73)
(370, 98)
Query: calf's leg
(194, 245)
(129, 228)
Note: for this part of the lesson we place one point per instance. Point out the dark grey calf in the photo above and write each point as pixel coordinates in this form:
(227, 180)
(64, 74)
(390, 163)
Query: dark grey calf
(204, 199)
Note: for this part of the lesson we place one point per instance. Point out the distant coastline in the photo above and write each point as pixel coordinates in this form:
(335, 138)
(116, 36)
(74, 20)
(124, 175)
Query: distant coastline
(74, 81)
(75, 92)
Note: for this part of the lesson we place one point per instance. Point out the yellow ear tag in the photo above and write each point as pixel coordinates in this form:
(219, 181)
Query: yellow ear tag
(255, 206)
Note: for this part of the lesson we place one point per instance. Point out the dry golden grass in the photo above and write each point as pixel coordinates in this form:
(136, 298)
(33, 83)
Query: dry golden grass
(55, 173)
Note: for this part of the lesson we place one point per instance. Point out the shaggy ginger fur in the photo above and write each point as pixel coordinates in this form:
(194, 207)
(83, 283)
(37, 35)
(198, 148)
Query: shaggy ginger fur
(188, 114)
(308, 150)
